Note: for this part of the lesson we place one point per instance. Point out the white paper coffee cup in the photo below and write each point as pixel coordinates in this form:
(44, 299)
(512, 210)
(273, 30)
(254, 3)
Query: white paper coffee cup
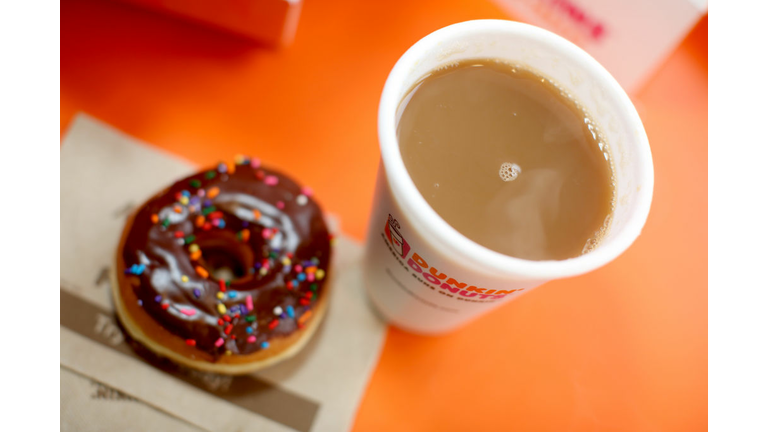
(422, 274)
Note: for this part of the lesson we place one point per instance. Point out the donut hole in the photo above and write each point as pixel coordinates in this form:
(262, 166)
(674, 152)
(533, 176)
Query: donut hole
(222, 264)
(225, 258)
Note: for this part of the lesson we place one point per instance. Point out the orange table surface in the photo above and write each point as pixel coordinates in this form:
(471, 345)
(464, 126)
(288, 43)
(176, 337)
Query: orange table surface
(622, 348)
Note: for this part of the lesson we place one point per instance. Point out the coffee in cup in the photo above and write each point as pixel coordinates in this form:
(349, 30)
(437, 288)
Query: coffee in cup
(508, 159)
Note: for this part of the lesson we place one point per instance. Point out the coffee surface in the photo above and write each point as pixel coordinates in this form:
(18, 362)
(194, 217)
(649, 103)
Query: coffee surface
(507, 159)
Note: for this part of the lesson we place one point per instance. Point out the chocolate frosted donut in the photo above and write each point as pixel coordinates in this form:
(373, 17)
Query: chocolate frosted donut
(225, 270)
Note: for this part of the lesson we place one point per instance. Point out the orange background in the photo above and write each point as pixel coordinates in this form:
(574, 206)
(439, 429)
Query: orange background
(622, 348)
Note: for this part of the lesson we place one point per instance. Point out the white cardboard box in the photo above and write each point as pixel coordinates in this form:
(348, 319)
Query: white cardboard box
(631, 38)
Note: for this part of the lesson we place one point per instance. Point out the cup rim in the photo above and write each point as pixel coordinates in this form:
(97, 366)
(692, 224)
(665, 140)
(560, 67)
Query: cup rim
(447, 238)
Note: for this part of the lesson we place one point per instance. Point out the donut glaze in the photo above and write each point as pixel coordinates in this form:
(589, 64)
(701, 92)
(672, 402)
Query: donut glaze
(253, 220)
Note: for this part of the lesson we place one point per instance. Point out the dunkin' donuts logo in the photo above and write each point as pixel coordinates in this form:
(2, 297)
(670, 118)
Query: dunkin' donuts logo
(423, 270)
(392, 230)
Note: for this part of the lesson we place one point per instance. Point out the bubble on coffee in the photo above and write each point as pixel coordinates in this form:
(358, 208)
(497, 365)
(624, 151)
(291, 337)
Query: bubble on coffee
(598, 236)
(509, 171)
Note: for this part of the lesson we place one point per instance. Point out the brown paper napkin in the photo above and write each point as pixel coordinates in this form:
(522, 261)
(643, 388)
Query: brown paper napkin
(106, 385)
